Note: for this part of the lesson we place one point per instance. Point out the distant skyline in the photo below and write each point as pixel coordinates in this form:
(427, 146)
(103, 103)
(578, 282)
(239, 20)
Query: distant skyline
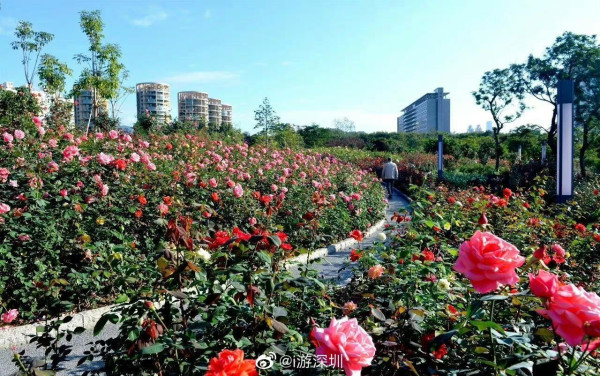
(314, 60)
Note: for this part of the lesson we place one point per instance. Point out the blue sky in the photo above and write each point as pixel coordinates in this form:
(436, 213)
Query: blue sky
(315, 60)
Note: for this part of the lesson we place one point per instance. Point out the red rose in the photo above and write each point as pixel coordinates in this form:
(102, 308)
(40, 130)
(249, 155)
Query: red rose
(231, 363)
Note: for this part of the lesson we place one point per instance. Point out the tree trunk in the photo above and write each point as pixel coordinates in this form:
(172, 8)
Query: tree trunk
(584, 147)
(553, 129)
(497, 141)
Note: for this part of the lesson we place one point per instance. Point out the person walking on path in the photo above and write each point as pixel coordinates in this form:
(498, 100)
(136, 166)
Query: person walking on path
(389, 174)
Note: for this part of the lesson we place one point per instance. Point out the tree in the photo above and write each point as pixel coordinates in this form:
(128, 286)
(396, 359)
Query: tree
(53, 74)
(587, 106)
(116, 101)
(345, 124)
(500, 94)
(103, 73)
(30, 43)
(266, 118)
(563, 60)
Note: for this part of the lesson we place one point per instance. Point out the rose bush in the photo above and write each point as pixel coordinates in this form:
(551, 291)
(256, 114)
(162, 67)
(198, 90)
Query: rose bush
(82, 217)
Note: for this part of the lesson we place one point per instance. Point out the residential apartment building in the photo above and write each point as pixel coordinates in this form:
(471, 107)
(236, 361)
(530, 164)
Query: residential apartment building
(83, 105)
(226, 114)
(192, 106)
(155, 99)
(428, 114)
(214, 112)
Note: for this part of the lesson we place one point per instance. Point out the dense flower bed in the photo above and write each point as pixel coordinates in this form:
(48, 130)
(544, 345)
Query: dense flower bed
(82, 217)
(470, 283)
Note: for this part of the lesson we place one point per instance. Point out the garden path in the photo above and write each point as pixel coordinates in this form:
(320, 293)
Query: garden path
(329, 267)
(333, 267)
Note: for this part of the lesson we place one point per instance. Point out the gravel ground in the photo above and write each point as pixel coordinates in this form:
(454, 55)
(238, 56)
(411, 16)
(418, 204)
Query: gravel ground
(79, 343)
(331, 267)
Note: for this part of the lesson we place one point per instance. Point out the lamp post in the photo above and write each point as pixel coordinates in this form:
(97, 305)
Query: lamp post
(543, 153)
(520, 152)
(440, 157)
(564, 158)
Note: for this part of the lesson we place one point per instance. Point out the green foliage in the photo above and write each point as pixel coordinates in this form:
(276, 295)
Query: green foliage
(103, 73)
(30, 43)
(17, 108)
(52, 74)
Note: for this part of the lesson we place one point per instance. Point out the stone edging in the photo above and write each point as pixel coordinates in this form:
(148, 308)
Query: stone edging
(322, 252)
(21, 335)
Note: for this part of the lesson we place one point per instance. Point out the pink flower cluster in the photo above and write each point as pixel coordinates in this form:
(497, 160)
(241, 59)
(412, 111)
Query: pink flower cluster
(575, 313)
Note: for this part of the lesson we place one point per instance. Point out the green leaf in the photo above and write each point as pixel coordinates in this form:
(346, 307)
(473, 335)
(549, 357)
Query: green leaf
(483, 325)
(486, 298)
(546, 334)
(103, 320)
(178, 294)
(264, 257)
(279, 312)
(154, 349)
(275, 240)
(378, 314)
(122, 299)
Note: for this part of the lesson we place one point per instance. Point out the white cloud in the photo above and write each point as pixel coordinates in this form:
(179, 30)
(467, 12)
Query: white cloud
(150, 19)
(7, 25)
(207, 13)
(203, 77)
(364, 120)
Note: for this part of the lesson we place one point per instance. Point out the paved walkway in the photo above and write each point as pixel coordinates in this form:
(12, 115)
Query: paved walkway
(331, 267)
(334, 266)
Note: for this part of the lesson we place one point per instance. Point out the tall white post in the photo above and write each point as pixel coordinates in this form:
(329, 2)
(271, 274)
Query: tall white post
(564, 147)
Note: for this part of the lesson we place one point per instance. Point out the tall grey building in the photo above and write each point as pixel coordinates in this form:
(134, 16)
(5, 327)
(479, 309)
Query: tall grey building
(430, 113)
(155, 98)
(83, 105)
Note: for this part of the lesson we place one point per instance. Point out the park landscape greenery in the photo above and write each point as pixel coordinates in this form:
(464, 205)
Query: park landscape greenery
(189, 232)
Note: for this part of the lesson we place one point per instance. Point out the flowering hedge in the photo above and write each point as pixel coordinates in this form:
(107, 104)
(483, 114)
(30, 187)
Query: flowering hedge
(82, 218)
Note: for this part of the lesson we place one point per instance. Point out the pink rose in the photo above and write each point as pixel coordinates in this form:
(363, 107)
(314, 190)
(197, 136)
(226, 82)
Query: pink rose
(10, 316)
(4, 208)
(163, 209)
(151, 166)
(8, 138)
(37, 121)
(19, 134)
(64, 192)
(344, 345)
(103, 190)
(238, 191)
(135, 157)
(4, 174)
(105, 159)
(544, 284)
(212, 182)
(570, 309)
(376, 271)
(253, 221)
(70, 152)
(488, 262)
(113, 135)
